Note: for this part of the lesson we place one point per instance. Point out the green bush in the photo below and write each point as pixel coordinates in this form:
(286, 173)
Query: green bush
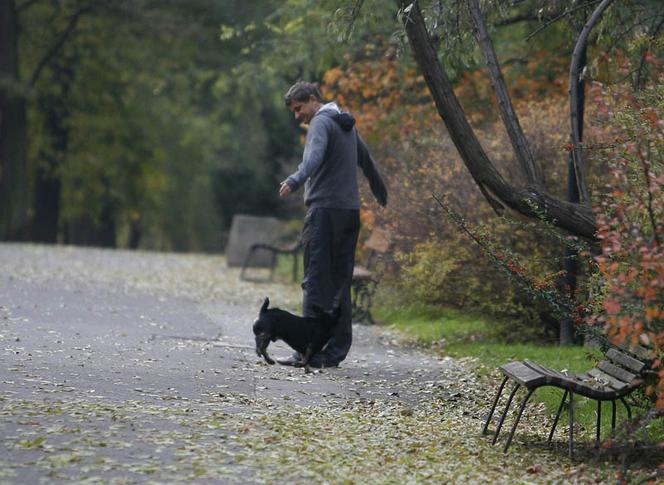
(454, 273)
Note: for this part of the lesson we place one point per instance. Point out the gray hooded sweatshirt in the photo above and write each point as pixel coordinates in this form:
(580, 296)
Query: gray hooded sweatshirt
(332, 153)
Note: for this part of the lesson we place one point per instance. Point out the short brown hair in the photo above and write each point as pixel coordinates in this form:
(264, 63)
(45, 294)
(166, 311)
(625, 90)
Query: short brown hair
(302, 91)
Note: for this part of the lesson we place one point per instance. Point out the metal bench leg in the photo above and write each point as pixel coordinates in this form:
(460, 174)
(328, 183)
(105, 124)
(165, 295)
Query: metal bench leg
(245, 265)
(353, 305)
(493, 408)
(599, 422)
(502, 418)
(356, 305)
(613, 416)
(295, 266)
(518, 417)
(273, 264)
(362, 295)
(629, 410)
(571, 425)
(371, 289)
(560, 410)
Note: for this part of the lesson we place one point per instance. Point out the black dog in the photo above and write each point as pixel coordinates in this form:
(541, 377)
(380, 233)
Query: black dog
(305, 335)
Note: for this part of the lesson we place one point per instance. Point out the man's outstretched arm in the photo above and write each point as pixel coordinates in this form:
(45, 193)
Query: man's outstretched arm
(371, 172)
(314, 152)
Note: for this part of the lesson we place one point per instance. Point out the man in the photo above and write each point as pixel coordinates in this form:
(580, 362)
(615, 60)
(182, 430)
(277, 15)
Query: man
(332, 153)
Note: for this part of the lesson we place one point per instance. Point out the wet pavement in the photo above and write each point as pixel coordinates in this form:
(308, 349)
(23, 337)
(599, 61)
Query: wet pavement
(134, 341)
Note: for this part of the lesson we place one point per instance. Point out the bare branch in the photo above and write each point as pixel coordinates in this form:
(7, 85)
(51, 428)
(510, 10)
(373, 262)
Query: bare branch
(73, 20)
(642, 62)
(574, 91)
(507, 112)
(532, 202)
(516, 19)
(526, 17)
(353, 17)
(558, 17)
(448, 105)
(621, 36)
(649, 190)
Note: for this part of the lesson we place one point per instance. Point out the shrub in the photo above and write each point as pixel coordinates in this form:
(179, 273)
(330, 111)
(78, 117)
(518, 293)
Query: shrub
(631, 229)
(432, 261)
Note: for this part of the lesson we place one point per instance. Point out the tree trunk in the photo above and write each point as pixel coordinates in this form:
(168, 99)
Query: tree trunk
(45, 222)
(575, 74)
(102, 232)
(83, 231)
(135, 233)
(571, 264)
(44, 225)
(507, 113)
(107, 231)
(532, 202)
(13, 139)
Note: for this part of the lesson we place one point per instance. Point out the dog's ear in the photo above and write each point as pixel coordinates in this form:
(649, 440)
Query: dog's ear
(266, 303)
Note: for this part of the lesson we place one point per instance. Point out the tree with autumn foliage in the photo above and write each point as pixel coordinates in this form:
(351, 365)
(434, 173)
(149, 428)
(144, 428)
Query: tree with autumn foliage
(631, 247)
(432, 258)
(500, 178)
(630, 305)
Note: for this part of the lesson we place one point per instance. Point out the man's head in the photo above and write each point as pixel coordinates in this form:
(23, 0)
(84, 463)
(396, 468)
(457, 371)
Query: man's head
(304, 100)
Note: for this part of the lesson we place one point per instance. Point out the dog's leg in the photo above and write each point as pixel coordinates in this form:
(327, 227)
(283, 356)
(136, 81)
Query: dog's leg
(305, 359)
(267, 358)
(262, 341)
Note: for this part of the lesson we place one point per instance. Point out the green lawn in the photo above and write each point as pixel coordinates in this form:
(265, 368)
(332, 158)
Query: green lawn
(458, 335)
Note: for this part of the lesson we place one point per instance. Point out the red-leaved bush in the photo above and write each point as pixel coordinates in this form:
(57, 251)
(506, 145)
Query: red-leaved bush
(631, 228)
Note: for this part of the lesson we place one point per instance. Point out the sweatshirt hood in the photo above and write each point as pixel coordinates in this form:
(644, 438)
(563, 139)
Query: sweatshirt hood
(344, 120)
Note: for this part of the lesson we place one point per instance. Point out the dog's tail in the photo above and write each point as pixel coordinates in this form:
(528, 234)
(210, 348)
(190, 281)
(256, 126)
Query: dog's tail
(266, 303)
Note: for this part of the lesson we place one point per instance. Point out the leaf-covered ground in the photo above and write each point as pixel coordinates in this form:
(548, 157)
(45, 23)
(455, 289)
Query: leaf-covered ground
(126, 367)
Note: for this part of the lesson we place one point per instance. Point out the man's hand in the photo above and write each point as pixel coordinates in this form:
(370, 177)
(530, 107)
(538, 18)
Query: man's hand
(284, 189)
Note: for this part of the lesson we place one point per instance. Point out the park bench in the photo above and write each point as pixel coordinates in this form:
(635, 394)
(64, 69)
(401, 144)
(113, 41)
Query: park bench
(364, 282)
(613, 379)
(291, 249)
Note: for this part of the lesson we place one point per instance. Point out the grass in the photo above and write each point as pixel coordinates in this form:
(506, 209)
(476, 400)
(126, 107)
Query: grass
(458, 334)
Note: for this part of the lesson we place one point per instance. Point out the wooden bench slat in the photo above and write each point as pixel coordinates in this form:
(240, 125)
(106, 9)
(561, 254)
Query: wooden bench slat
(611, 381)
(638, 351)
(625, 360)
(546, 370)
(617, 372)
(571, 382)
(523, 374)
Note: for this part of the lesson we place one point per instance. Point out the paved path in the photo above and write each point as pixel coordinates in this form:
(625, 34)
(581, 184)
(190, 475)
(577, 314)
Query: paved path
(134, 367)
(97, 331)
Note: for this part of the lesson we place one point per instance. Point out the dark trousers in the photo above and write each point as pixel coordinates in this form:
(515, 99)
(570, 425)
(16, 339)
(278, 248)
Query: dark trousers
(329, 237)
